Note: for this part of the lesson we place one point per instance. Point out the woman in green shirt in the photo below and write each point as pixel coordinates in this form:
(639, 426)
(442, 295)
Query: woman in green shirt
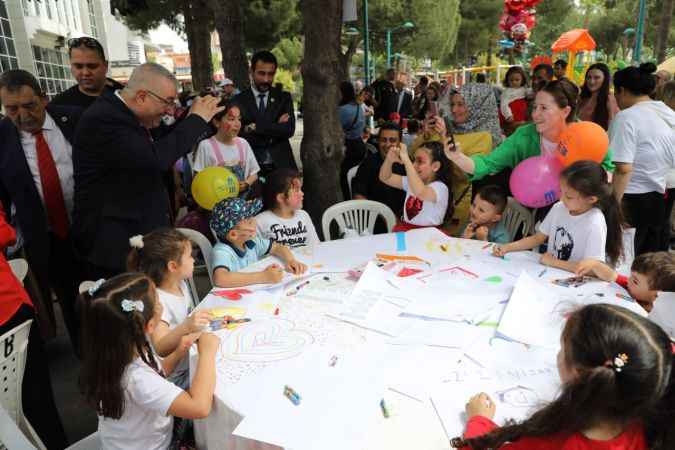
(554, 109)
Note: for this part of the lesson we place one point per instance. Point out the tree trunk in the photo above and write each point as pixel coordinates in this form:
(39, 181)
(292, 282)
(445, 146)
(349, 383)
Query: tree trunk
(197, 17)
(346, 58)
(488, 61)
(230, 26)
(321, 150)
(664, 29)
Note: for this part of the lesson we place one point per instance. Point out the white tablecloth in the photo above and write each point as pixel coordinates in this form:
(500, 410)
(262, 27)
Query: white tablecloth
(412, 423)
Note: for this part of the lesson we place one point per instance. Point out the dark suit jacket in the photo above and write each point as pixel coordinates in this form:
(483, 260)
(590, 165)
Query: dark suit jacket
(269, 137)
(119, 186)
(18, 187)
(406, 110)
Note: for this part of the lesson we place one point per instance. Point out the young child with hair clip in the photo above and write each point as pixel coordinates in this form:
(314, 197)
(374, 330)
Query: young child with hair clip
(123, 379)
(165, 255)
(618, 391)
(425, 183)
(649, 274)
(284, 221)
(585, 223)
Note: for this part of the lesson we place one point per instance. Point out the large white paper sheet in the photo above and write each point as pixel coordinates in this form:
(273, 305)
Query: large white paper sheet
(336, 409)
(517, 393)
(663, 312)
(376, 302)
(536, 312)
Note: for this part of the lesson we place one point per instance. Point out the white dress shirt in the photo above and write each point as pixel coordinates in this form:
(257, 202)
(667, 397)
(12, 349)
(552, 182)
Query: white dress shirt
(401, 96)
(62, 153)
(257, 98)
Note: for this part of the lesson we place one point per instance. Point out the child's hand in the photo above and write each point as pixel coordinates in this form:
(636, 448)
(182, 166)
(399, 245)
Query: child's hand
(393, 155)
(187, 340)
(243, 186)
(547, 259)
(208, 343)
(469, 231)
(594, 267)
(481, 405)
(198, 321)
(295, 267)
(273, 273)
(403, 152)
(482, 233)
(500, 250)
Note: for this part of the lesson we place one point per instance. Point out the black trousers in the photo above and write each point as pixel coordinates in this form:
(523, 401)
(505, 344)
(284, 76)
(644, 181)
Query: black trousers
(63, 278)
(355, 151)
(646, 213)
(37, 395)
(667, 225)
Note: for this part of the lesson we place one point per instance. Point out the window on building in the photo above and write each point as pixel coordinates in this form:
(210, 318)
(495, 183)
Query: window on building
(7, 51)
(48, 7)
(93, 29)
(53, 70)
(75, 14)
(59, 12)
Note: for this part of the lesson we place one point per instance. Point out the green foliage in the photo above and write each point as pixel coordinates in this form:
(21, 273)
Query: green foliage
(285, 77)
(266, 22)
(289, 53)
(436, 27)
(553, 19)
(479, 28)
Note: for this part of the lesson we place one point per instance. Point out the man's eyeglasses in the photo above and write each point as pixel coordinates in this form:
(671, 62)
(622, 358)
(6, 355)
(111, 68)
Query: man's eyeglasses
(167, 102)
(391, 140)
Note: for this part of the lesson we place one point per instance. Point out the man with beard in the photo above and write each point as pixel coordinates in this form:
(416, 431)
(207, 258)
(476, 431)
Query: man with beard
(267, 117)
(89, 67)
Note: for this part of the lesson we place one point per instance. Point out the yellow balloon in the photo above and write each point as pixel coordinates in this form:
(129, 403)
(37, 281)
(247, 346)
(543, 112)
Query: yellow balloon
(212, 185)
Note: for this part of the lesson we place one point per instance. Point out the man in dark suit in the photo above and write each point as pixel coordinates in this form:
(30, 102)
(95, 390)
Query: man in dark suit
(385, 96)
(267, 117)
(119, 186)
(403, 101)
(36, 176)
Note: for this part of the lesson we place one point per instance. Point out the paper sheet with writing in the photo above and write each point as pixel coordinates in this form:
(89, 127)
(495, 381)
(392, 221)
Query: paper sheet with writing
(376, 302)
(517, 392)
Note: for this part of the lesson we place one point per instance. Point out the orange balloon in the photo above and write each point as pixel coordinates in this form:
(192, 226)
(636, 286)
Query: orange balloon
(583, 141)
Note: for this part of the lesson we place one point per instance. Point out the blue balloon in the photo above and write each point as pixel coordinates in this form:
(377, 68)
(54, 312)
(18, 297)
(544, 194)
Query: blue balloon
(506, 43)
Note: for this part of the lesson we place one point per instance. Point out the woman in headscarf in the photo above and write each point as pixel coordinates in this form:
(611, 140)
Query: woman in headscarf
(472, 117)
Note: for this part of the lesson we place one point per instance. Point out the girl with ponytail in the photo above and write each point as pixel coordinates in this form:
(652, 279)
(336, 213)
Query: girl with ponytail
(121, 376)
(617, 392)
(585, 223)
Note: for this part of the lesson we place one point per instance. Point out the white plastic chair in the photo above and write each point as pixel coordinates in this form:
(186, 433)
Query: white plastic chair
(351, 173)
(91, 442)
(359, 215)
(516, 215)
(13, 348)
(19, 267)
(206, 248)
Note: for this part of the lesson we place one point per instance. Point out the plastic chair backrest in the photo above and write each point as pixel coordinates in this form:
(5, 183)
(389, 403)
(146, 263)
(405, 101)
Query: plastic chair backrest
(19, 268)
(351, 173)
(359, 215)
(91, 442)
(204, 245)
(516, 216)
(13, 346)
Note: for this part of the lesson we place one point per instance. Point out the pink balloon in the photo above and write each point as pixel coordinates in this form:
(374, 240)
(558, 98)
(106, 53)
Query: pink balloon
(535, 182)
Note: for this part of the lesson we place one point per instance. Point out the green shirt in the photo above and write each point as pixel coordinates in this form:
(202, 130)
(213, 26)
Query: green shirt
(522, 144)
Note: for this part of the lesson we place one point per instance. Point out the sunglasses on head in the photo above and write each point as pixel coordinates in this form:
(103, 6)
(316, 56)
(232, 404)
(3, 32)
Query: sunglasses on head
(85, 42)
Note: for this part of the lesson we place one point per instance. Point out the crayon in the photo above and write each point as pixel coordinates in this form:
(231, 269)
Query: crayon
(293, 396)
(383, 407)
(232, 321)
(276, 312)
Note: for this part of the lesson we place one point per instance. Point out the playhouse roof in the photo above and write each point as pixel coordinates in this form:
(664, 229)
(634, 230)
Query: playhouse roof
(575, 41)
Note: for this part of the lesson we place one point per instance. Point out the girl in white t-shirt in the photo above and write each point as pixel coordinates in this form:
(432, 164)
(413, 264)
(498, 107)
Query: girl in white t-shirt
(165, 255)
(585, 223)
(122, 377)
(284, 221)
(226, 149)
(425, 184)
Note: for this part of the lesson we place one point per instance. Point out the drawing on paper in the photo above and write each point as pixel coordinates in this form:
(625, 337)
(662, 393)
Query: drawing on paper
(518, 397)
(262, 341)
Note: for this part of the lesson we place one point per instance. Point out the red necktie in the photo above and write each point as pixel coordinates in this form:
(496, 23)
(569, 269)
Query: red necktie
(51, 188)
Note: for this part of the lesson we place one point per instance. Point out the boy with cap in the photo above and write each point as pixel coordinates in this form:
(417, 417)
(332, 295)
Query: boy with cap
(233, 222)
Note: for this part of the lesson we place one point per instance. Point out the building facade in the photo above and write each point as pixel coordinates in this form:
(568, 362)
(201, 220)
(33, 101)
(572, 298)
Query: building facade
(34, 36)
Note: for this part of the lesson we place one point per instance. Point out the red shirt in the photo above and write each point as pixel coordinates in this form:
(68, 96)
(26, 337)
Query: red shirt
(12, 293)
(632, 438)
(622, 281)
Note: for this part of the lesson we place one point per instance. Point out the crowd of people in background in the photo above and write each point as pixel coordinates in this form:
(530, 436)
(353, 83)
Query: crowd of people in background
(96, 179)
